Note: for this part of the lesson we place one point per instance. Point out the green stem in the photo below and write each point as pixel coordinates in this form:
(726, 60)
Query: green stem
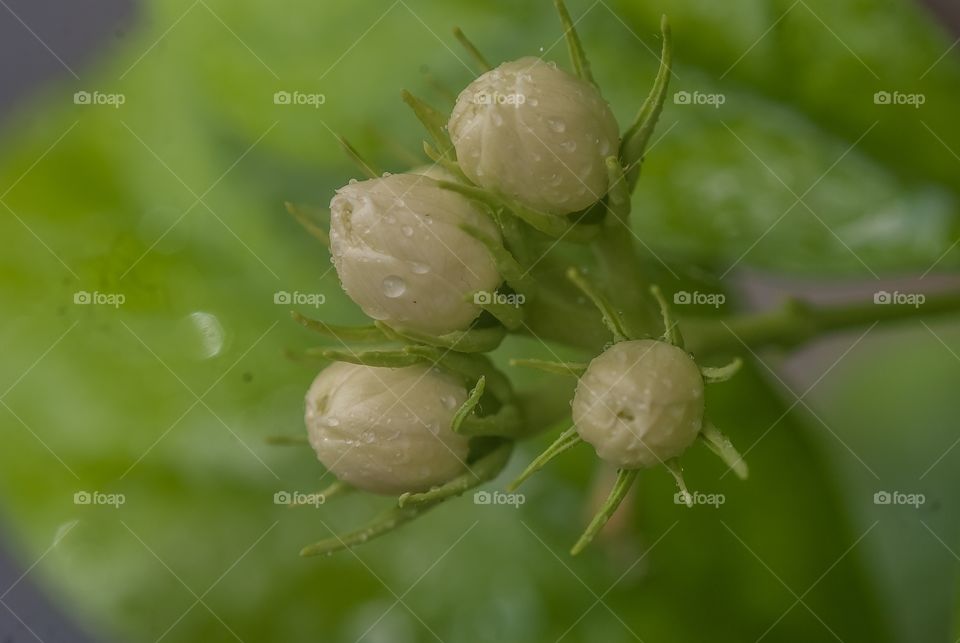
(797, 322)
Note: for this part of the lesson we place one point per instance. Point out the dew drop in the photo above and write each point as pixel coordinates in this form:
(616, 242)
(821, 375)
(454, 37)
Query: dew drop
(570, 146)
(206, 334)
(406, 230)
(394, 286)
(449, 401)
(497, 119)
(331, 421)
(556, 125)
(419, 268)
(352, 181)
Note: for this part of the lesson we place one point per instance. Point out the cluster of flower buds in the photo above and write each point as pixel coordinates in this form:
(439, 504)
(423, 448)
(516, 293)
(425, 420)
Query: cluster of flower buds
(442, 260)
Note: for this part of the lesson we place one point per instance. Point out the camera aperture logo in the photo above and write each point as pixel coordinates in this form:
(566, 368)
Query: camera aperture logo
(897, 298)
(899, 498)
(99, 499)
(284, 298)
(484, 298)
(698, 498)
(299, 499)
(699, 98)
(697, 298)
(499, 498)
(899, 98)
(314, 100)
(96, 298)
(99, 98)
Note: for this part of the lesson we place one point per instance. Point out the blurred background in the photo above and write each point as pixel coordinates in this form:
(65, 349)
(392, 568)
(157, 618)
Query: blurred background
(808, 148)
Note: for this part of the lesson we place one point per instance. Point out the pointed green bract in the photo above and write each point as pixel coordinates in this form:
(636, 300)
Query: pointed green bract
(618, 192)
(472, 340)
(576, 369)
(713, 374)
(483, 470)
(637, 137)
(472, 50)
(468, 405)
(567, 439)
(721, 445)
(507, 265)
(671, 330)
(621, 488)
(578, 58)
(307, 218)
(553, 226)
(505, 423)
(363, 164)
(673, 466)
(398, 358)
(434, 122)
(341, 333)
(611, 318)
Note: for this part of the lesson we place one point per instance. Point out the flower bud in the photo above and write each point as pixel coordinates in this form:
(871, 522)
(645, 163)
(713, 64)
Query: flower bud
(534, 133)
(386, 430)
(639, 403)
(402, 257)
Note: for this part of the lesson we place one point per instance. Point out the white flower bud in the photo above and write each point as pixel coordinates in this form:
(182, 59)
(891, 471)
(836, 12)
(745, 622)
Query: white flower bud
(535, 133)
(639, 403)
(386, 430)
(402, 257)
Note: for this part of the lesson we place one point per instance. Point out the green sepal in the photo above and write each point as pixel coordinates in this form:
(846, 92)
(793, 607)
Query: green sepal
(671, 330)
(635, 140)
(468, 405)
(344, 334)
(472, 50)
(625, 479)
(714, 374)
(434, 122)
(395, 358)
(549, 224)
(578, 58)
(618, 193)
(507, 265)
(567, 439)
(505, 423)
(576, 369)
(482, 470)
(362, 164)
(450, 166)
(721, 445)
(611, 318)
(472, 340)
(673, 466)
(307, 217)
